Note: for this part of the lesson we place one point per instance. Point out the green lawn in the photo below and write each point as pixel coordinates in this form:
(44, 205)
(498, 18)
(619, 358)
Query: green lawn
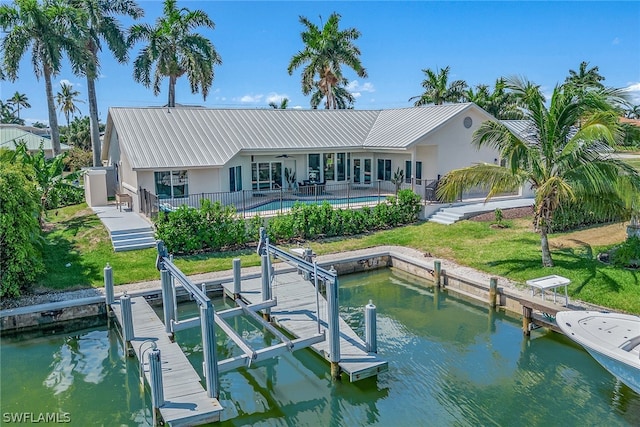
(79, 238)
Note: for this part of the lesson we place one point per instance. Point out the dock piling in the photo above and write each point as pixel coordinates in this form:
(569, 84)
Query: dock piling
(108, 285)
(237, 285)
(493, 291)
(167, 301)
(370, 327)
(266, 290)
(127, 323)
(334, 328)
(437, 266)
(157, 391)
(527, 314)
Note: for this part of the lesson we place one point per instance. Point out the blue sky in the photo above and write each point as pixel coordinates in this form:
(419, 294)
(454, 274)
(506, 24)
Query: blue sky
(479, 40)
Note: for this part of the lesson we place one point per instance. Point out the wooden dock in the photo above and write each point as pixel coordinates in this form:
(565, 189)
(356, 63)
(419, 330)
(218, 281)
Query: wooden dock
(186, 401)
(296, 313)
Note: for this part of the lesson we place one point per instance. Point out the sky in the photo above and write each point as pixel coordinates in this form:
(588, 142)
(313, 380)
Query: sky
(479, 40)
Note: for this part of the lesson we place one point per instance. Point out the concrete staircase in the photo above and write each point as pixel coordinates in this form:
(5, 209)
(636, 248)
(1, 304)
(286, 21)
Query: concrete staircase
(451, 214)
(132, 239)
(447, 216)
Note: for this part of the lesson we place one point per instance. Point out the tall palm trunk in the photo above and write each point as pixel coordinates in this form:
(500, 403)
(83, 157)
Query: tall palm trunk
(94, 126)
(172, 91)
(53, 119)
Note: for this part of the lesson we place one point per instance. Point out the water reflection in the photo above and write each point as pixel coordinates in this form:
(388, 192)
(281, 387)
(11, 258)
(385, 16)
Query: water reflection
(81, 357)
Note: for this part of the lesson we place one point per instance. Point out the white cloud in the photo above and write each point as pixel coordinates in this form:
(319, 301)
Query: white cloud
(251, 99)
(276, 97)
(356, 88)
(67, 82)
(29, 121)
(633, 90)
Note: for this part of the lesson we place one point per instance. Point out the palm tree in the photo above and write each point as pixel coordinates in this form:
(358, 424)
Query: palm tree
(585, 78)
(175, 51)
(102, 26)
(324, 54)
(500, 103)
(49, 29)
(342, 99)
(284, 103)
(633, 112)
(561, 162)
(438, 90)
(66, 99)
(19, 100)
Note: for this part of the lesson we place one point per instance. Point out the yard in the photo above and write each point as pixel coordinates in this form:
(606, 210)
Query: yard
(78, 248)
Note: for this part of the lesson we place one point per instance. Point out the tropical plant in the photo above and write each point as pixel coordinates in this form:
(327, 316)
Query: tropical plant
(20, 239)
(50, 29)
(284, 103)
(175, 51)
(342, 98)
(19, 100)
(633, 112)
(39, 125)
(500, 103)
(438, 90)
(66, 99)
(325, 52)
(559, 160)
(585, 78)
(47, 173)
(398, 179)
(101, 26)
(7, 115)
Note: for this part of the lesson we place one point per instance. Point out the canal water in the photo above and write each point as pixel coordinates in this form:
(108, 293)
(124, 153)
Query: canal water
(451, 362)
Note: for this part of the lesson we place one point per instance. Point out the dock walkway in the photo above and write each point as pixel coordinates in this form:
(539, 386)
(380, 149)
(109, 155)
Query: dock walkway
(296, 313)
(186, 401)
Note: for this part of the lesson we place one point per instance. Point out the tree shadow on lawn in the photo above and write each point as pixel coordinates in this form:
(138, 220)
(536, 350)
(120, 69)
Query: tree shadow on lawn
(577, 259)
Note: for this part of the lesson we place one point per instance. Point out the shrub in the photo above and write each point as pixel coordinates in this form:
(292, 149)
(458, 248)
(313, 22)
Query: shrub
(20, 238)
(627, 254)
(214, 227)
(570, 216)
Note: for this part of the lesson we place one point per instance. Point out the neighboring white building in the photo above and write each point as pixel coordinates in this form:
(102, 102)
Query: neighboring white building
(11, 135)
(174, 152)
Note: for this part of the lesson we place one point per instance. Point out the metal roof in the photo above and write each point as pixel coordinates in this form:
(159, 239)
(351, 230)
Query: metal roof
(523, 129)
(182, 137)
(400, 128)
(10, 137)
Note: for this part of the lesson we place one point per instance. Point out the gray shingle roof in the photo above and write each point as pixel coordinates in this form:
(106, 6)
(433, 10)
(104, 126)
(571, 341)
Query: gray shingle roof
(198, 137)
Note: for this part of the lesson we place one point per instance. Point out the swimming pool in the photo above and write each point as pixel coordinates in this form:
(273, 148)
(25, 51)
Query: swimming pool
(276, 205)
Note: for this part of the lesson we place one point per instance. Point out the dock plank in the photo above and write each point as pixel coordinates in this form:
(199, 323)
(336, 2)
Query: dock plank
(186, 401)
(295, 313)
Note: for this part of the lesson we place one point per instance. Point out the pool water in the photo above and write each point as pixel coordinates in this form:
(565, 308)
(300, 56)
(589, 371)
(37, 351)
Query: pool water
(451, 362)
(288, 204)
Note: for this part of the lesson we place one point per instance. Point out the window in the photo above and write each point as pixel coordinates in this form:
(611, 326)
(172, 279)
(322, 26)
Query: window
(418, 170)
(266, 175)
(407, 169)
(235, 178)
(171, 184)
(384, 169)
(340, 166)
(314, 167)
(329, 166)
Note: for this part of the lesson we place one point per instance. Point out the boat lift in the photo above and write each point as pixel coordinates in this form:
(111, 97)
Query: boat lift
(170, 275)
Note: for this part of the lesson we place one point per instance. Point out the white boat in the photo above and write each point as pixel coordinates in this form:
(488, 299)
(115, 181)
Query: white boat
(612, 339)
